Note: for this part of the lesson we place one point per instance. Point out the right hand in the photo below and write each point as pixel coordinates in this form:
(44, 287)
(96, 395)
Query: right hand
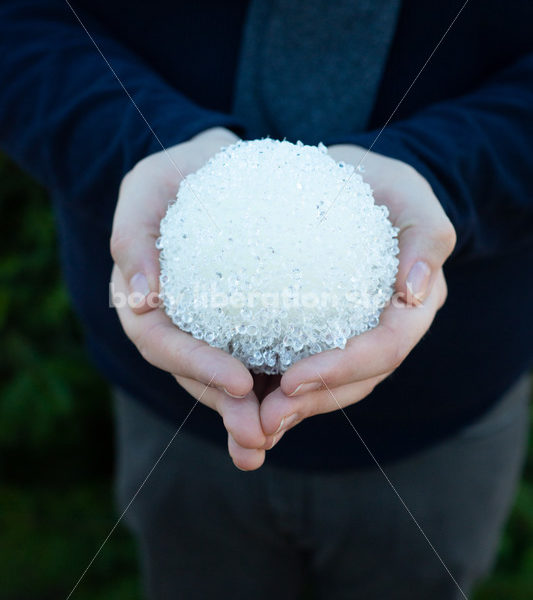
(215, 377)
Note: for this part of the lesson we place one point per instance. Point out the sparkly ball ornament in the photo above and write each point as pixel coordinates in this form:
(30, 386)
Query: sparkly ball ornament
(273, 251)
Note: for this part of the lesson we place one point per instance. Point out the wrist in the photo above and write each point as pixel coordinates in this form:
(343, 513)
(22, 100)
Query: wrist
(217, 135)
(206, 144)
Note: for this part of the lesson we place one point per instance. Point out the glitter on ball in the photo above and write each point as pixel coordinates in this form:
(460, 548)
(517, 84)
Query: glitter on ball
(273, 251)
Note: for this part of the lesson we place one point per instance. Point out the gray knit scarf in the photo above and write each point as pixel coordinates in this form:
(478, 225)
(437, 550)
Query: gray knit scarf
(310, 69)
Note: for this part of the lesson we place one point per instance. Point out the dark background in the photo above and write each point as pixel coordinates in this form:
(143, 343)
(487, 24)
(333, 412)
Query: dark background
(56, 447)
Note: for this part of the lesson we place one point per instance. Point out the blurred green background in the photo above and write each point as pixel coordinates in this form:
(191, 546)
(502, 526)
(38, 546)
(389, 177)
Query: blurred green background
(56, 447)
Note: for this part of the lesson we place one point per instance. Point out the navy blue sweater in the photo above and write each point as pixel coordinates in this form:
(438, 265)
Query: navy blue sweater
(466, 125)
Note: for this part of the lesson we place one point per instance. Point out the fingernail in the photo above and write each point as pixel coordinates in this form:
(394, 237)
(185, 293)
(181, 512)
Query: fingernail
(233, 395)
(139, 287)
(274, 442)
(305, 388)
(418, 280)
(286, 422)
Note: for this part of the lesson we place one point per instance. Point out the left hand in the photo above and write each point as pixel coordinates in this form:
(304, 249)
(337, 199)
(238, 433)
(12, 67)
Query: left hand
(337, 378)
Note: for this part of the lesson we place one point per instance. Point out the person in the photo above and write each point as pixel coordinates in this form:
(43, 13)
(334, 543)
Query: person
(403, 494)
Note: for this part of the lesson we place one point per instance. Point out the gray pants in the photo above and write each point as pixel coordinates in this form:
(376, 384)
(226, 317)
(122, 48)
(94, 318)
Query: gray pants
(207, 530)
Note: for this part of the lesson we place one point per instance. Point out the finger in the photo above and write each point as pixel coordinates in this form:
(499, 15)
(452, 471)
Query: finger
(241, 419)
(140, 208)
(272, 440)
(245, 459)
(165, 346)
(378, 351)
(279, 412)
(206, 393)
(240, 415)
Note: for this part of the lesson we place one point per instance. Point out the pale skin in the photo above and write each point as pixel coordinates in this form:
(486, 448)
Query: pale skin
(258, 410)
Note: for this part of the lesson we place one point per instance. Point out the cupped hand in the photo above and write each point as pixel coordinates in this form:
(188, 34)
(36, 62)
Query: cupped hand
(337, 378)
(214, 377)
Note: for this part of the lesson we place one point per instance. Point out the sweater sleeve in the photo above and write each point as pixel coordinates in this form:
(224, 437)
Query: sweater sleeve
(65, 118)
(476, 153)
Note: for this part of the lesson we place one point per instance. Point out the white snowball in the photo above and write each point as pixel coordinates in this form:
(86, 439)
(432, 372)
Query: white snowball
(273, 252)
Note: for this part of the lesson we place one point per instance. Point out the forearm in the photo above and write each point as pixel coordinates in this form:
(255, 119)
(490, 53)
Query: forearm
(63, 114)
(475, 151)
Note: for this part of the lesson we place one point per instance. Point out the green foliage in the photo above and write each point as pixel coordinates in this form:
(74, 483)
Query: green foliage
(513, 577)
(46, 381)
(55, 434)
(55, 424)
(50, 534)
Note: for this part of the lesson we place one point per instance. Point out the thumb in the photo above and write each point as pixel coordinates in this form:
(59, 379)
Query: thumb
(426, 239)
(132, 245)
(137, 259)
